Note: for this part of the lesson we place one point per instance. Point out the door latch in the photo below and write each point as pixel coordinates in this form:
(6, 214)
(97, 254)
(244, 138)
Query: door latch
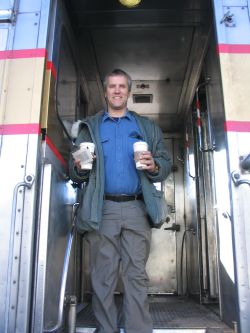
(175, 227)
(228, 19)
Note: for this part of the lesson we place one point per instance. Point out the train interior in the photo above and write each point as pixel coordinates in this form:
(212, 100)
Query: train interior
(169, 49)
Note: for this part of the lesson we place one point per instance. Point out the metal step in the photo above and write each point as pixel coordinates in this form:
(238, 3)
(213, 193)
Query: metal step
(169, 314)
(168, 330)
(198, 330)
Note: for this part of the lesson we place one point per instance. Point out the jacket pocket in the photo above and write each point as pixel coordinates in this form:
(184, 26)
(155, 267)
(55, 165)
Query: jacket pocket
(161, 209)
(105, 146)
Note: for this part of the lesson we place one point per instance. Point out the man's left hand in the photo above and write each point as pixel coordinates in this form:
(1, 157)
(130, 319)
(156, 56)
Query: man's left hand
(146, 158)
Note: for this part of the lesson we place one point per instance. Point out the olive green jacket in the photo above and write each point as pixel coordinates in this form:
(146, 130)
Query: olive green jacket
(91, 201)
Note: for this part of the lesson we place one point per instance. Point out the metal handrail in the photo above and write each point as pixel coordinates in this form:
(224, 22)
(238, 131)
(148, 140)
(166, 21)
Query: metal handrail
(212, 147)
(28, 182)
(58, 325)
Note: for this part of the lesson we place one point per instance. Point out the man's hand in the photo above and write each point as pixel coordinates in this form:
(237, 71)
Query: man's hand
(146, 158)
(77, 164)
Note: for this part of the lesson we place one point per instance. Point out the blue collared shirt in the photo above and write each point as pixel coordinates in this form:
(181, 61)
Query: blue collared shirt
(117, 137)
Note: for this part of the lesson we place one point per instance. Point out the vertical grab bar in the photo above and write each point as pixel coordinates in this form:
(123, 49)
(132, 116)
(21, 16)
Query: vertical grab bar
(64, 275)
(198, 121)
(188, 155)
(28, 182)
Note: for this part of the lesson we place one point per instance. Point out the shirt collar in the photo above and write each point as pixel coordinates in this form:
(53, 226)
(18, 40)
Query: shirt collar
(106, 116)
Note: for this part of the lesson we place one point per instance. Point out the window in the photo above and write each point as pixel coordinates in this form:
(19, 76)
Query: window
(70, 98)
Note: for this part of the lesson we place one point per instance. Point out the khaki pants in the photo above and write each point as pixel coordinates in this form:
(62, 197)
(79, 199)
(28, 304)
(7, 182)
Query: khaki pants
(123, 239)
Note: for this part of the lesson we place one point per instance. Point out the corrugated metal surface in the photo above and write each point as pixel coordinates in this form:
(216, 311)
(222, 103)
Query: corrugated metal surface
(167, 313)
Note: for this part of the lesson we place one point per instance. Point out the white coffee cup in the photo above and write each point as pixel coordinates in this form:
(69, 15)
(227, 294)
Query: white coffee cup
(139, 147)
(85, 155)
(88, 149)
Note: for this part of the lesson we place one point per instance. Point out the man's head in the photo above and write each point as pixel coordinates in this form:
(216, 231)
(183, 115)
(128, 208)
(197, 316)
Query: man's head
(117, 72)
(117, 86)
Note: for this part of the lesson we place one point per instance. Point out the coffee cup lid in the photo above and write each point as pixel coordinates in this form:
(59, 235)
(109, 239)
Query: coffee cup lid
(140, 144)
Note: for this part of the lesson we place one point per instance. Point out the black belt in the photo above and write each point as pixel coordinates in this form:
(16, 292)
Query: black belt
(122, 197)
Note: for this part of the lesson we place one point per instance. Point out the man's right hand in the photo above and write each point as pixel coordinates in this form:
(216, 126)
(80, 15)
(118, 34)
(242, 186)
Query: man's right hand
(77, 164)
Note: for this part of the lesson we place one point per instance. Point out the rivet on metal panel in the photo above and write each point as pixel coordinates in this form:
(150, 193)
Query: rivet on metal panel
(168, 219)
(29, 179)
(236, 175)
(237, 179)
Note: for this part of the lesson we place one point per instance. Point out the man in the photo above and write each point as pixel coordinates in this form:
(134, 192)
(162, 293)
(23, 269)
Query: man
(120, 204)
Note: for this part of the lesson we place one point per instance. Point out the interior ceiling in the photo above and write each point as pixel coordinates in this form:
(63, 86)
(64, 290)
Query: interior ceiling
(160, 43)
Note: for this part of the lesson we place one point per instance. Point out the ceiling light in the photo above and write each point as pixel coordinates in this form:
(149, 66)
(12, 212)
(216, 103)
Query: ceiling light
(130, 3)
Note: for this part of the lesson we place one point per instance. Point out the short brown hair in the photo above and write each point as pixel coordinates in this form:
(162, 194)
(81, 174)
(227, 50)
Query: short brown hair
(117, 72)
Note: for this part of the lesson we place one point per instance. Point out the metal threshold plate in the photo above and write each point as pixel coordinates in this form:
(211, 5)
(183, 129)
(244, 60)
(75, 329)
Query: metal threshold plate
(198, 330)
(170, 314)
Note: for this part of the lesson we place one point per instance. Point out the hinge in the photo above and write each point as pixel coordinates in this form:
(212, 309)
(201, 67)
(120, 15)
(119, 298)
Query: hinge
(7, 16)
(228, 19)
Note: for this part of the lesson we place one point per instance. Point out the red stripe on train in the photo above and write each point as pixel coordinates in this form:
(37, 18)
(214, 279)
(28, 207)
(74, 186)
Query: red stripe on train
(29, 53)
(55, 151)
(233, 48)
(16, 129)
(50, 66)
(237, 126)
(12, 129)
(20, 54)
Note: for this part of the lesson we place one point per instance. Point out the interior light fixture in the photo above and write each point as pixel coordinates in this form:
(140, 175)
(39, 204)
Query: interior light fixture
(130, 3)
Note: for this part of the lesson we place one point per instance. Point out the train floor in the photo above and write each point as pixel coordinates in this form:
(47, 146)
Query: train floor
(171, 314)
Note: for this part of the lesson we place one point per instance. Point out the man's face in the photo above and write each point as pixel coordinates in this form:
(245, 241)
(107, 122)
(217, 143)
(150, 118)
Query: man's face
(117, 93)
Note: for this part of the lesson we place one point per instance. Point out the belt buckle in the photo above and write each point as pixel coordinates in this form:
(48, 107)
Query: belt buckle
(122, 197)
(127, 197)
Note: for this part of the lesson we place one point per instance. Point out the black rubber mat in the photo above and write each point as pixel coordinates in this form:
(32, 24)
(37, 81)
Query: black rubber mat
(167, 312)
(174, 312)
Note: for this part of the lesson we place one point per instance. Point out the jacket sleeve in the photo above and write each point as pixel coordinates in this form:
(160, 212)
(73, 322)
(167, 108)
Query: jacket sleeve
(75, 175)
(161, 157)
